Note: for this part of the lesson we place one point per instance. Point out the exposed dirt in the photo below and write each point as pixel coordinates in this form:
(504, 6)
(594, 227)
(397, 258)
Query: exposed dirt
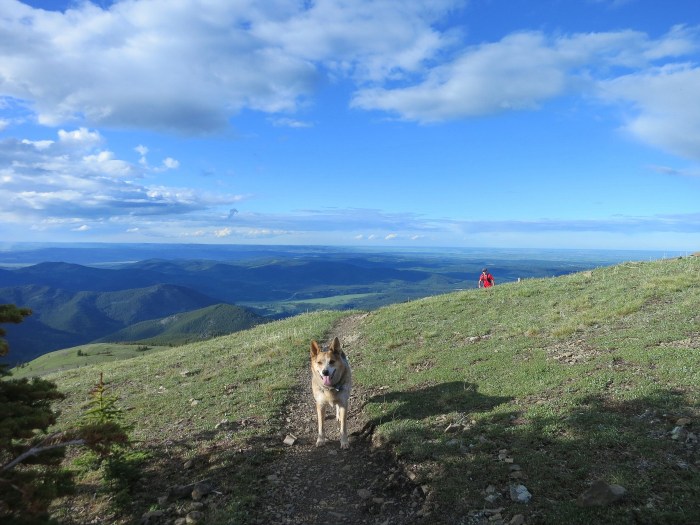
(326, 485)
(305, 484)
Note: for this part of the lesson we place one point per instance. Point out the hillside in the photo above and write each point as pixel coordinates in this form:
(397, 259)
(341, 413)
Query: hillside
(64, 318)
(179, 328)
(287, 281)
(534, 390)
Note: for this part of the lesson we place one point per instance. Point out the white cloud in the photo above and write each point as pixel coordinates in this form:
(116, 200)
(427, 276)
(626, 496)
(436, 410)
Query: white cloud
(290, 123)
(51, 184)
(366, 39)
(189, 66)
(223, 232)
(81, 137)
(521, 71)
(488, 79)
(664, 100)
(170, 163)
(39, 144)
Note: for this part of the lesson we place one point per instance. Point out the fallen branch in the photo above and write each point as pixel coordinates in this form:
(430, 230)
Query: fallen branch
(38, 450)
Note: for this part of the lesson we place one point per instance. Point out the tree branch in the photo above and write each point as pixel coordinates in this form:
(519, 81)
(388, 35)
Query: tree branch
(38, 450)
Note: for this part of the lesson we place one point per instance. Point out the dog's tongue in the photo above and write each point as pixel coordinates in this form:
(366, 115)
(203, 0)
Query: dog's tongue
(326, 380)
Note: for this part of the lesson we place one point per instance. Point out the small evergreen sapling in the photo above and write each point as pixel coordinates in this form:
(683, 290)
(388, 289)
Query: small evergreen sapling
(106, 434)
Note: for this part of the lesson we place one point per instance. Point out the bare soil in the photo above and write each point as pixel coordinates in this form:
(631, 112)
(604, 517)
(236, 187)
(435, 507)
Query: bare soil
(304, 484)
(327, 485)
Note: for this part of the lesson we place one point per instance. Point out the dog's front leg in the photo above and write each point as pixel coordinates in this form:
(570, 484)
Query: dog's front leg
(321, 440)
(342, 415)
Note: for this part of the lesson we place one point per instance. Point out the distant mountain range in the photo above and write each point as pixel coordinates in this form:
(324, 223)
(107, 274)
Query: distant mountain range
(64, 318)
(174, 299)
(146, 301)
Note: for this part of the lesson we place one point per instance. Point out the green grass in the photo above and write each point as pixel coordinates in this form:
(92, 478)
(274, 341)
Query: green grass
(82, 356)
(175, 398)
(576, 378)
(335, 302)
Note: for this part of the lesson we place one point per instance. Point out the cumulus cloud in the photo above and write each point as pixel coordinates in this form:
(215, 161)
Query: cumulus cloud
(189, 66)
(54, 183)
(669, 122)
(521, 71)
(170, 164)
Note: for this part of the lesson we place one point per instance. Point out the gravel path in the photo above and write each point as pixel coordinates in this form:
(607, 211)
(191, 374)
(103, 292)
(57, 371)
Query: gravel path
(326, 485)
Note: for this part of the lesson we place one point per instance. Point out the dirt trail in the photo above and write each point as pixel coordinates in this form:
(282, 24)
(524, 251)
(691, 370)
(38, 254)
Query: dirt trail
(326, 485)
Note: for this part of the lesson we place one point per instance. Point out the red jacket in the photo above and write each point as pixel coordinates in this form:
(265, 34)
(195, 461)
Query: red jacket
(487, 279)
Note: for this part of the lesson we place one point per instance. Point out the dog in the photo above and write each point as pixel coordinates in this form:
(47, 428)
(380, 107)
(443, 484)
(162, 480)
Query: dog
(331, 383)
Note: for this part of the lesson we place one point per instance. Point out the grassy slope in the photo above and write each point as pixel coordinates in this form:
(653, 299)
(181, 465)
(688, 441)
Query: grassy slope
(576, 378)
(84, 355)
(582, 377)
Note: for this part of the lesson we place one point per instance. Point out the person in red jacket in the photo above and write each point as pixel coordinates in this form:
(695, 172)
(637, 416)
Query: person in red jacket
(486, 279)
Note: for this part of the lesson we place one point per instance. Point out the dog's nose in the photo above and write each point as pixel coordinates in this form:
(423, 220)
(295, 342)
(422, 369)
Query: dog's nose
(326, 372)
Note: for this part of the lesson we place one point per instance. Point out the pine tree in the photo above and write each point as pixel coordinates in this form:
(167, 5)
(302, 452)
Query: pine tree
(9, 313)
(31, 475)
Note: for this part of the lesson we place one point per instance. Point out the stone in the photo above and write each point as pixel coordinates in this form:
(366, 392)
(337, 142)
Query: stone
(200, 490)
(601, 494)
(518, 519)
(520, 494)
(180, 491)
(289, 440)
(679, 433)
(194, 517)
(223, 424)
(364, 493)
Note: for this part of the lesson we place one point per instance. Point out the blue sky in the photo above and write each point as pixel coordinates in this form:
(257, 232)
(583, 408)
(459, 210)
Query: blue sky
(478, 123)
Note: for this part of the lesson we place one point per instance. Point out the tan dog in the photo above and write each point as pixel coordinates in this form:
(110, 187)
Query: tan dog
(331, 382)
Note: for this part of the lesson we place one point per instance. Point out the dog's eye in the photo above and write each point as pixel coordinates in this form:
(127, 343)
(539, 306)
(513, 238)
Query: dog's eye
(320, 363)
(331, 362)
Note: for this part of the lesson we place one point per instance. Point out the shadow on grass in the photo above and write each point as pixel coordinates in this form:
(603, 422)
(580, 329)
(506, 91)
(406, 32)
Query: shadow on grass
(434, 400)
(556, 453)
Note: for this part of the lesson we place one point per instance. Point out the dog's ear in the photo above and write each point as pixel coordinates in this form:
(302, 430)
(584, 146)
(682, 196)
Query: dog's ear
(335, 345)
(314, 349)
